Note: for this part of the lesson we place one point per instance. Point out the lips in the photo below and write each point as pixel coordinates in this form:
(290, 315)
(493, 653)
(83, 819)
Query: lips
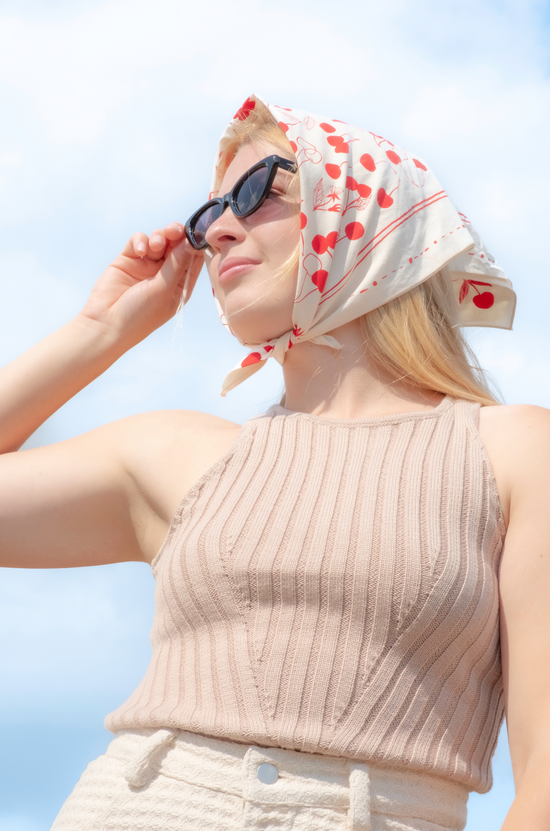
(232, 265)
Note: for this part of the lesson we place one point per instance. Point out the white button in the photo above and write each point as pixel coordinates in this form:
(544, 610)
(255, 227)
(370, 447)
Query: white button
(268, 774)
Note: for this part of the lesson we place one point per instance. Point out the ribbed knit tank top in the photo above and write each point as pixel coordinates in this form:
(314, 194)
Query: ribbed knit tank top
(330, 586)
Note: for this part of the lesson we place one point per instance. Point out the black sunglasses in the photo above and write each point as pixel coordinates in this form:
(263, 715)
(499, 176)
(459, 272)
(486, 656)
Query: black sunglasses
(246, 196)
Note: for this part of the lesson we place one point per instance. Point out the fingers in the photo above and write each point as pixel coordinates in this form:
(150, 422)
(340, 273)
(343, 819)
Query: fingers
(182, 266)
(154, 247)
(174, 232)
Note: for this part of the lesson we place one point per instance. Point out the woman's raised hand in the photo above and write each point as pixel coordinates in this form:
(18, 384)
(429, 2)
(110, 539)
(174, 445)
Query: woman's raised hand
(144, 286)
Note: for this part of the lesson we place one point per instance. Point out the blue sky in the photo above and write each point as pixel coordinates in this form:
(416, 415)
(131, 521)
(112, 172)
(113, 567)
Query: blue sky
(110, 118)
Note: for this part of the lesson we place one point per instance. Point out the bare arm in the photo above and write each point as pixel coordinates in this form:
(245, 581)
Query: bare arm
(134, 296)
(71, 503)
(523, 437)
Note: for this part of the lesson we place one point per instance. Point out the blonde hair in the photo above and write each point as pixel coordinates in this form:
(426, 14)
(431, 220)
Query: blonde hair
(414, 338)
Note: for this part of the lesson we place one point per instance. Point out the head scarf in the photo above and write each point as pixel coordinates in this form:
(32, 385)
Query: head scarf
(375, 223)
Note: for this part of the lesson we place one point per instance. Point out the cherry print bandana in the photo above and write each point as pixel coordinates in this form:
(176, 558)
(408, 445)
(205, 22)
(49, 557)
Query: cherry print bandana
(375, 223)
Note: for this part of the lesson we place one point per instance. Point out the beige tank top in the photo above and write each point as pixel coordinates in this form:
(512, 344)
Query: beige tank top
(330, 586)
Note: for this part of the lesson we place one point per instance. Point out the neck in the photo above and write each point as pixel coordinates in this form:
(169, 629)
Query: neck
(344, 383)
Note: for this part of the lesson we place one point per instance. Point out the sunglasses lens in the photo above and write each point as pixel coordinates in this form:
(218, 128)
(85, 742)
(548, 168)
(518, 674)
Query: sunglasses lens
(203, 222)
(251, 190)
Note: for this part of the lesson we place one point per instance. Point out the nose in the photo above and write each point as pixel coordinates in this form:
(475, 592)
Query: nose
(227, 228)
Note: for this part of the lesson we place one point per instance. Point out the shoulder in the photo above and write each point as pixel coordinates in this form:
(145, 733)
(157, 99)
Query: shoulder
(164, 453)
(168, 426)
(517, 440)
(166, 439)
(514, 427)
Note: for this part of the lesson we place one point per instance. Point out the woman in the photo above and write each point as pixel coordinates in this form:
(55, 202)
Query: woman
(326, 642)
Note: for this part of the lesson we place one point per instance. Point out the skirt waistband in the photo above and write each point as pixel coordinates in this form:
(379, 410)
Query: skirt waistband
(297, 778)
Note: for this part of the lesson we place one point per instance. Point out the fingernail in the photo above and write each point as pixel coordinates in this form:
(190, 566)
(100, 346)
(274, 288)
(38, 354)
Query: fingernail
(141, 247)
(157, 240)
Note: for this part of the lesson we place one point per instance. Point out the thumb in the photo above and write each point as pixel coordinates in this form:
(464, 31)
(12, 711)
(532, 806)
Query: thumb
(181, 268)
(177, 261)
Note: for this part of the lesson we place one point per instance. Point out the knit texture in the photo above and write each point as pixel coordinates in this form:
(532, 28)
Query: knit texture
(198, 782)
(330, 586)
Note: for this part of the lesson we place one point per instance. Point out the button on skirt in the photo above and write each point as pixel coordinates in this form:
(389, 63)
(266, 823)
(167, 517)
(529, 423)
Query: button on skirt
(168, 780)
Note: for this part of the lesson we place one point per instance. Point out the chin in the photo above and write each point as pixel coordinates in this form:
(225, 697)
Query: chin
(257, 326)
(255, 332)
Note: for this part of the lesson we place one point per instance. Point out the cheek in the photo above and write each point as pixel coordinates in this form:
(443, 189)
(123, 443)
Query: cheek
(281, 238)
(215, 290)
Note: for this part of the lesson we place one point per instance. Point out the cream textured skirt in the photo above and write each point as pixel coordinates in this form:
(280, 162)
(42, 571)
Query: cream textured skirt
(163, 780)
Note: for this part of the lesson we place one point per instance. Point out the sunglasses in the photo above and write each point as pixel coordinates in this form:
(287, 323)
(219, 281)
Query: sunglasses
(246, 196)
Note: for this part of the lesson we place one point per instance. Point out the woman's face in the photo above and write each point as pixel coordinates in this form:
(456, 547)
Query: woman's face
(247, 252)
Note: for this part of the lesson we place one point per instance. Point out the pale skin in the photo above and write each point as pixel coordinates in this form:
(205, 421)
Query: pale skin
(109, 495)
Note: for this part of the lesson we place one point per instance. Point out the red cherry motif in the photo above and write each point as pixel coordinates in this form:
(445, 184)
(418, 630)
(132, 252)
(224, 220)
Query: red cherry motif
(484, 300)
(303, 220)
(354, 230)
(420, 165)
(328, 128)
(364, 191)
(384, 199)
(294, 146)
(319, 278)
(320, 244)
(339, 144)
(253, 358)
(268, 348)
(368, 162)
(393, 157)
(283, 126)
(333, 170)
(245, 110)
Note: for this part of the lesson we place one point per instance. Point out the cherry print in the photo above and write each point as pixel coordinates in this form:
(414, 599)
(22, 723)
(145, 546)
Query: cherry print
(339, 144)
(319, 278)
(363, 199)
(384, 199)
(380, 140)
(368, 162)
(364, 191)
(253, 358)
(333, 171)
(393, 157)
(245, 110)
(484, 300)
(354, 230)
(342, 188)
(320, 244)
